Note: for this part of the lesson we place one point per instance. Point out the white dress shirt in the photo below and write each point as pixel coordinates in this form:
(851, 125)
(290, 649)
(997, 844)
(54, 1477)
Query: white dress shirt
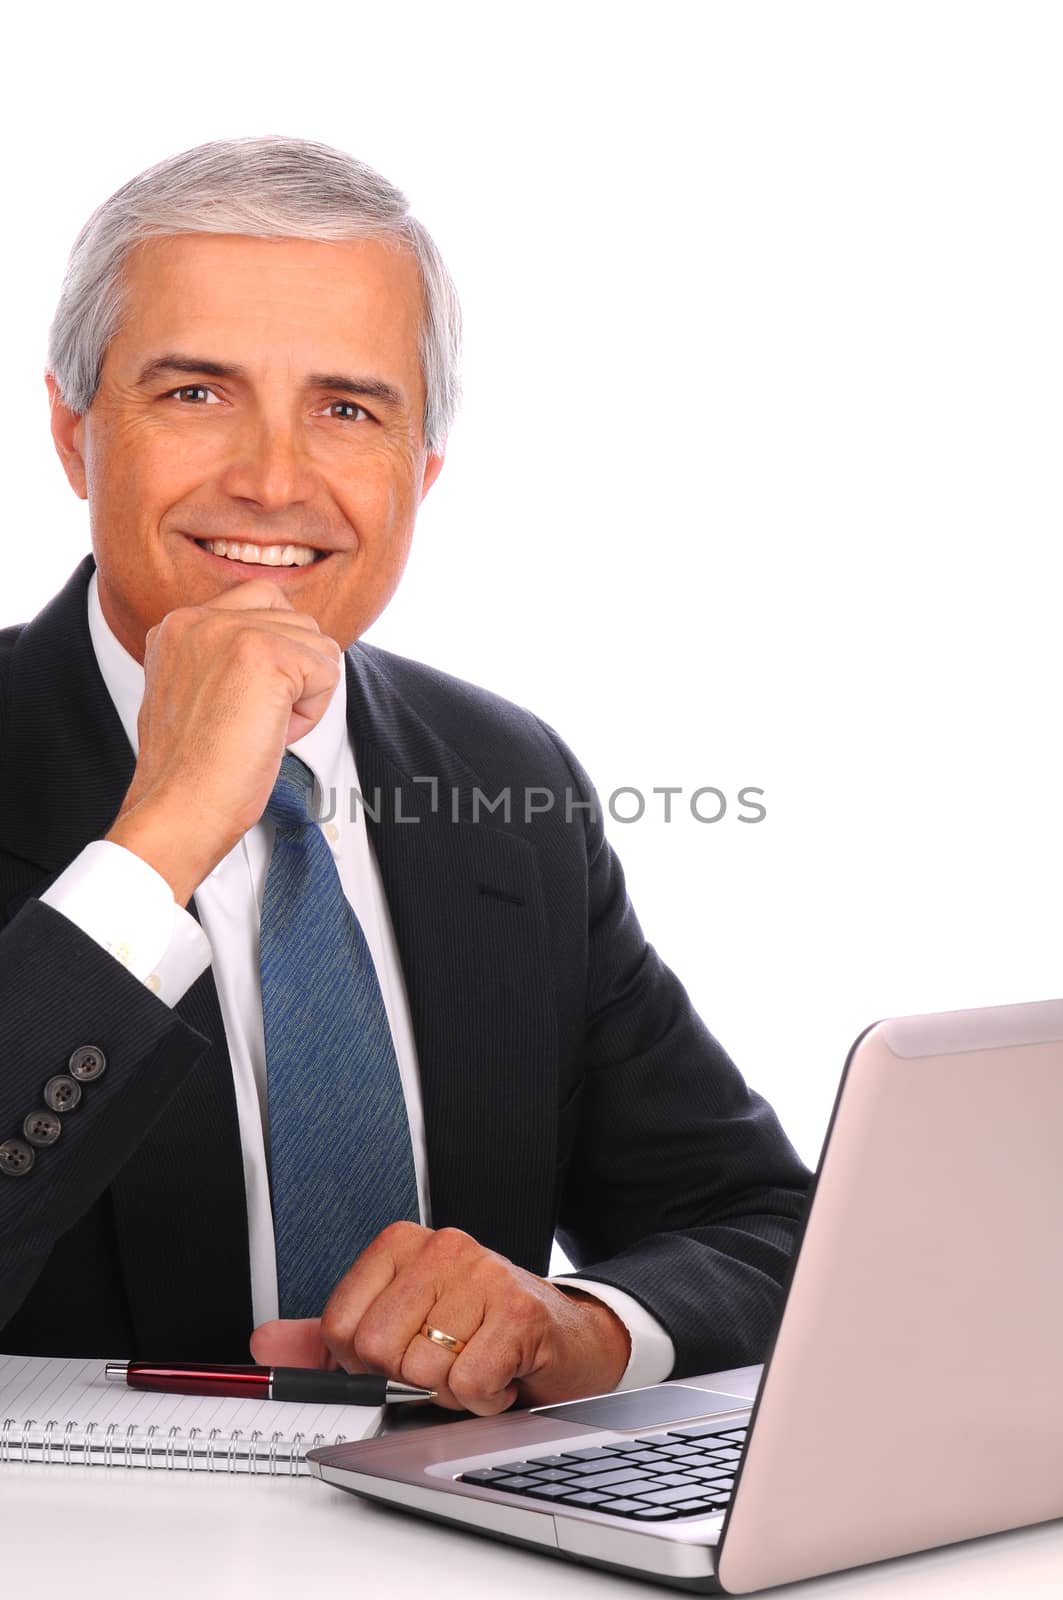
(128, 908)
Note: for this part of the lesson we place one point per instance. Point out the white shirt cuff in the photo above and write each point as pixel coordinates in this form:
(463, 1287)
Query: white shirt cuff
(652, 1351)
(129, 909)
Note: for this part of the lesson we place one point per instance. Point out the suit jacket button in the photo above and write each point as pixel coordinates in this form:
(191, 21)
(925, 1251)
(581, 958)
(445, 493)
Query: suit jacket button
(88, 1063)
(62, 1093)
(16, 1158)
(42, 1128)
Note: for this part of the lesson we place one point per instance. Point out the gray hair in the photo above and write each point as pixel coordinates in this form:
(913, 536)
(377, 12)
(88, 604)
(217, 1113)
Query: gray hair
(270, 187)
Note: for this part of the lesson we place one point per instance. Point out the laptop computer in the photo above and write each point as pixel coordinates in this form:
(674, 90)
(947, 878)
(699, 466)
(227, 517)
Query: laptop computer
(912, 1397)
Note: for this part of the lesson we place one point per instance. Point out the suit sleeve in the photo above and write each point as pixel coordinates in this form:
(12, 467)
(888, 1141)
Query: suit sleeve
(683, 1189)
(59, 991)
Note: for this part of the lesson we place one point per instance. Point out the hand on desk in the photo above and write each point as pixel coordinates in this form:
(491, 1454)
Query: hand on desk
(525, 1339)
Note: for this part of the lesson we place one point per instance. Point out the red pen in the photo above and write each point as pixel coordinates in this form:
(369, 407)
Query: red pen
(306, 1384)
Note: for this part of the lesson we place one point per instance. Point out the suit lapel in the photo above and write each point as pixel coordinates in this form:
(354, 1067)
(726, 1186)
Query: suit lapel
(61, 727)
(179, 1203)
(466, 904)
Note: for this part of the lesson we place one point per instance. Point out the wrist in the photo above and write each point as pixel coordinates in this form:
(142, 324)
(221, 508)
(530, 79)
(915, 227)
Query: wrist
(609, 1333)
(159, 839)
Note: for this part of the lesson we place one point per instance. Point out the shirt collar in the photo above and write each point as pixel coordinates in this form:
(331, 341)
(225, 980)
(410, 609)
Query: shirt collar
(321, 749)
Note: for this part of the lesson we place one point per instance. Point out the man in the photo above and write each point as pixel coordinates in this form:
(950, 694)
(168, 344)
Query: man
(355, 1071)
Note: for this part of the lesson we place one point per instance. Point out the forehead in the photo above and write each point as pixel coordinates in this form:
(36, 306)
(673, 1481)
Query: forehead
(300, 300)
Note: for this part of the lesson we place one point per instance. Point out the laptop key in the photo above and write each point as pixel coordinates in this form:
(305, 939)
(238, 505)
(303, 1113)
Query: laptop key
(542, 1461)
(586, 1498)
(701, 1430)
(547, 1491)
(486, 1476)
(700, 1475)
(676, 1480)
(602, 1464)
(594, 1454)
(656, 1513)
(641, 1486)
(606, 1480)
(692, 1506)
(669, 1497)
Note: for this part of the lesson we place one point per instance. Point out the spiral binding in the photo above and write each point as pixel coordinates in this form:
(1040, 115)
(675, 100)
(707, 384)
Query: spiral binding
(31, 1441)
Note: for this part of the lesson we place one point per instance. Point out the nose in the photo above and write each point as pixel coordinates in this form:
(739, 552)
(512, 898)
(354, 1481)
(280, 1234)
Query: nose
(270, 468)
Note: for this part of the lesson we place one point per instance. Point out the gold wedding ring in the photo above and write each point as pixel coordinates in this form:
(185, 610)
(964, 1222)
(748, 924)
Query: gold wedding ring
(446, 1340)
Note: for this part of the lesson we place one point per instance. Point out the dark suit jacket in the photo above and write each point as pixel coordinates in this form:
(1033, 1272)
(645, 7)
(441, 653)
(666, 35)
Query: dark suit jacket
(568, 1084)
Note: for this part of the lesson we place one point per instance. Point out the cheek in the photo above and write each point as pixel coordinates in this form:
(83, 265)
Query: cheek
(132, 466)
(380, 506)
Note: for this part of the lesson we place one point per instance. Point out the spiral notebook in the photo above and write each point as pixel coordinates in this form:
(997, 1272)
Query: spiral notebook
(58, 1410)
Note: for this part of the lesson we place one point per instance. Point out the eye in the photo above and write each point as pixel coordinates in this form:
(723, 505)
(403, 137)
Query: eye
(193, 389)
(351, 405)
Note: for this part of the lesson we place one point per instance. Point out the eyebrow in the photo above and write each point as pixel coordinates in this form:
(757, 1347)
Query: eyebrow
(199, 367)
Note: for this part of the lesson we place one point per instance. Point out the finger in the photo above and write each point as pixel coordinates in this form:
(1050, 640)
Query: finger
(483, 1377)
(213, 638)
(254, 592)
(375, 1269)
(311, 672)
(482, 1405)
(428, 1364)
(393, 1321)
(275, 620)
(291, 1342)
(480, 1375)
(295, 625)
(311, 704)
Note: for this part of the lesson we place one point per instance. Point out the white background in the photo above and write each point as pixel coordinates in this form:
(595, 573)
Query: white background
(757, 477)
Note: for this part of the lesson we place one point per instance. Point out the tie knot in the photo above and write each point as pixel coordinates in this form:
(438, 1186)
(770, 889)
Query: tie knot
(290, 805)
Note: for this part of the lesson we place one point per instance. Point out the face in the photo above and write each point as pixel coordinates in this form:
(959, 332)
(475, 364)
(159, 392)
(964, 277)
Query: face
(264, 392)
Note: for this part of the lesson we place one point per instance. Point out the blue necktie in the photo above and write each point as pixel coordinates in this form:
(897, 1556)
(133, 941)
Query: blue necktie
(341, 1165)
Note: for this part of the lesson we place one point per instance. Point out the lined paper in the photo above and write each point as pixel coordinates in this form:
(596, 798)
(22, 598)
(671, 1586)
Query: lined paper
(63, 1409)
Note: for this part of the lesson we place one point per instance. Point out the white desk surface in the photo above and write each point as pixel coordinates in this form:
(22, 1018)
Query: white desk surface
(91, 1533)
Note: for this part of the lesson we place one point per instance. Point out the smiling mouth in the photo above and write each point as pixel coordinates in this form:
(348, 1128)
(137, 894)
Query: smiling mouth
(263, 555)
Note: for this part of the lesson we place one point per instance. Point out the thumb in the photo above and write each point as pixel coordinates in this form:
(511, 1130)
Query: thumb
(291, 1342)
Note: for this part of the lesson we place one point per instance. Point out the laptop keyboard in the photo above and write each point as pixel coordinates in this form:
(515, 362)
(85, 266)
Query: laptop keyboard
(686, 1472)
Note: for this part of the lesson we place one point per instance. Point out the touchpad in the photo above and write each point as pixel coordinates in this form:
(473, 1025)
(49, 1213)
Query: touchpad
(633, 1409)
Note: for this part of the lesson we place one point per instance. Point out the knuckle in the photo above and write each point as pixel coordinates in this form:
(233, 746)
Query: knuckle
(254, 646)
(529, 1305)
(397, 1234)
(169, 627)
(453, 1243)
(333, 1327)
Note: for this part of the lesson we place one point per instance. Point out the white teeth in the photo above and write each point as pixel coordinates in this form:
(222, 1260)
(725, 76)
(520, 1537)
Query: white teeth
(269, 555)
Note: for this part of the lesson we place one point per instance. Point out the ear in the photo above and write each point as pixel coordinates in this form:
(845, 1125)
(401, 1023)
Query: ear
(432, 468)
(67, 430)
